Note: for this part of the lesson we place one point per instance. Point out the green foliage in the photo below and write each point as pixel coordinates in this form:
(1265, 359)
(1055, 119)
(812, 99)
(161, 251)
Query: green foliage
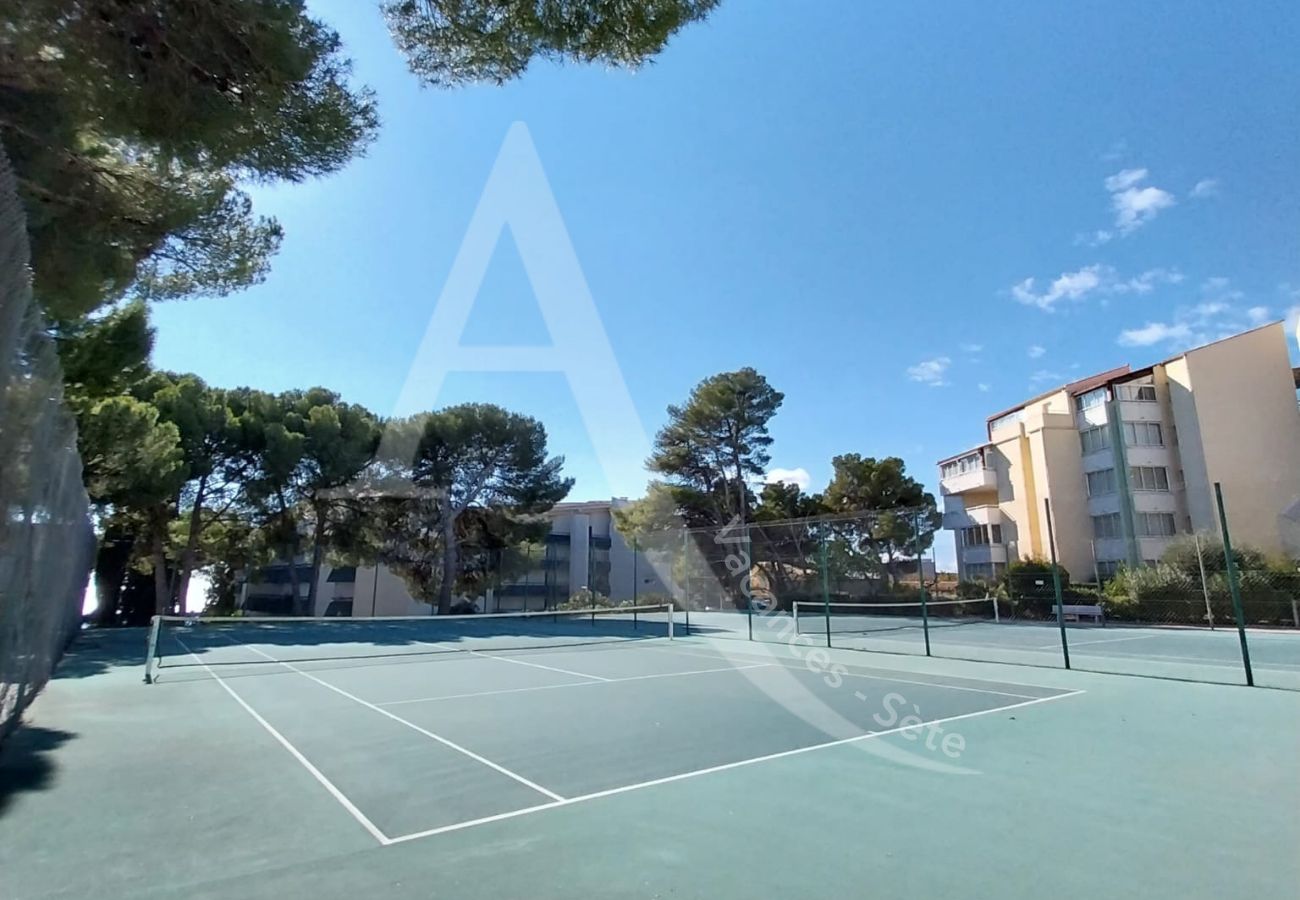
(449, 43)
(1183, 555)
(970, 590)
(132, 461)
(106, 355)
(1168, 594)
(903, 515)
(129, 125)
(714, 443)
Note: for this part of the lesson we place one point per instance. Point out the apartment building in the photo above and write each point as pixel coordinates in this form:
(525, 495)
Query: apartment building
(1128, 459)
(582, 550)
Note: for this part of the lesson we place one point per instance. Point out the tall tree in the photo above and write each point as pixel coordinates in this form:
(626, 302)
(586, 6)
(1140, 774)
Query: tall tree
(899, 516)
(455, 42)
(134, 467)
(715, 443)
(129, 125)
(339, 442)
(480, 455)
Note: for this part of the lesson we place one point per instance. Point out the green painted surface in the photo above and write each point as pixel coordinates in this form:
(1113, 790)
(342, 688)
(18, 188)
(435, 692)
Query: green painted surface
(1136, 787)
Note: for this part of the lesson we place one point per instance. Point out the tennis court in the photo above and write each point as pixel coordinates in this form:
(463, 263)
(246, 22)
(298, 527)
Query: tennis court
(974, 630)
(606, 755)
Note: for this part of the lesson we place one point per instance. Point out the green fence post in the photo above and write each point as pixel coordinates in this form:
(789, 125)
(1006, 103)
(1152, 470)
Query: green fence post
(1233, 586)
(1056, 583)
(634, 584)
(920, 583)
(826, 588)
(686, 578)
(749, 578)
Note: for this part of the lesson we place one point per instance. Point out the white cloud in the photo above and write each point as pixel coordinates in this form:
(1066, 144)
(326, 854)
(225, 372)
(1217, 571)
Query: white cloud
(797, 476)
(1146, 282)
(1154, 333)
(1206, 187)
(1124, 180)
(1066, 286)
(1096, 239)
(1217, 315)
(930, 371)
(1135, 204)
(1036, 350)
(984, 388)
(1043, 376)
(971, 348)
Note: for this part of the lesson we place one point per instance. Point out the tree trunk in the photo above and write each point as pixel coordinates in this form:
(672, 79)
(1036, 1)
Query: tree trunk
(191, 546)
(317, 556)
(112, 560)
(157, 551)
(294, 584)
(450, 561)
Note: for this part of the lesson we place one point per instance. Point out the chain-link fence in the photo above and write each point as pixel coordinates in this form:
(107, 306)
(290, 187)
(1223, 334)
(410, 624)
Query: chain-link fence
(46, 540)
(869, 581)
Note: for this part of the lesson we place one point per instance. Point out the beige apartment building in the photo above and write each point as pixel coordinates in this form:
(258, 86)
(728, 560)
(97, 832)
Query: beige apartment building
(1128, 460)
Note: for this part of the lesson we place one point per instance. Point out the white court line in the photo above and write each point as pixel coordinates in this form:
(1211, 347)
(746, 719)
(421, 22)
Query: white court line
(947, 687)
(533, 665)
(424, 731)
(1073, 643)
(552, 687)
(293, 751)
(713, 769)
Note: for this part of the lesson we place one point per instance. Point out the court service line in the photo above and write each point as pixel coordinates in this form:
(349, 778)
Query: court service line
(294, 752)
(424, 731)
(528, 810)
(1074, 643)
(935, 684)
(552, 687)
(533, 665)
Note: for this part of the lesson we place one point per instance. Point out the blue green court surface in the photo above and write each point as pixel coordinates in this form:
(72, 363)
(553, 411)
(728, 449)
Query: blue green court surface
(576, 759)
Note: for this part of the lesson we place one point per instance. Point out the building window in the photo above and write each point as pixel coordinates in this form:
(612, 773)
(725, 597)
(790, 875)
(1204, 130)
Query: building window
(1100, 483)
(980, 535)
(1148, 478)
(1008, 419)
(1094, 439)
(1107, 568)
(1143, 434)
(1142, 393)
(1090, 399)
(1106, 526)
(971, 462)
(1155, 524)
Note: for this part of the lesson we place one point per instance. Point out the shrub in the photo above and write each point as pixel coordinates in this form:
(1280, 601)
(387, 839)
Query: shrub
(586, 599)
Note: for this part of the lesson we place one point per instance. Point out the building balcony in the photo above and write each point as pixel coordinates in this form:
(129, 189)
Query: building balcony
(984, 553)
(965, 517)
(983, 478)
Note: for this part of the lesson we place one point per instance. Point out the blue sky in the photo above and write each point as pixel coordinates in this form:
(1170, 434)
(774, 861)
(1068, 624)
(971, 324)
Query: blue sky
(907, 216)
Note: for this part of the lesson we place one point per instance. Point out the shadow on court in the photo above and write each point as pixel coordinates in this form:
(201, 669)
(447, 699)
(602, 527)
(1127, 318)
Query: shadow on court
(28, 762)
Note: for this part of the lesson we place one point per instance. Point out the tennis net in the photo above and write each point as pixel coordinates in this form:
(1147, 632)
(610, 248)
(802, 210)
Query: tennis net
(864, 618)
(176, 641)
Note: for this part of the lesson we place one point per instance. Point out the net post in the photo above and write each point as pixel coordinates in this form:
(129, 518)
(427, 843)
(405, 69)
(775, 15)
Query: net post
(826, 588)
(671, 616)
(920, 583)
(997, 616)
(1233, 586)
(149, 667)
(1056, 582)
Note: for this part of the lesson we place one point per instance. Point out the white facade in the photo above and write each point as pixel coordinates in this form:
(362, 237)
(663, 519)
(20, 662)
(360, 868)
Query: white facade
(582, 551)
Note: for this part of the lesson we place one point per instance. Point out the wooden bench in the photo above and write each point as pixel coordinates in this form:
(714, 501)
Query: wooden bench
(1082, 610)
